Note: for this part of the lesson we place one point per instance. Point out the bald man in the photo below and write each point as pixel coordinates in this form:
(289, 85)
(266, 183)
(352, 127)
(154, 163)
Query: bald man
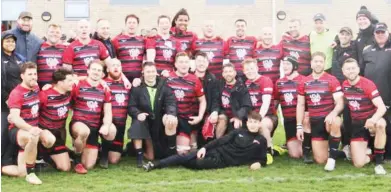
(268, 55)
(102, 34)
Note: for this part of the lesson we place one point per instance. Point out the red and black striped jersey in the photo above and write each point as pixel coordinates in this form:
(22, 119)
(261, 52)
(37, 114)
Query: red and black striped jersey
(237, 49)
(359, 97)
(130, 51)
(285, 91)
(269, 61)
(79, 55)
(186, 89)
(49, 59)
(119, 101)
(215, 49)
(226, 100)
(27, 100)
(166, 50)
(186, 39)
(319, 94)
(88, 103)
(259, 87)
(54, 109)
(299, 49)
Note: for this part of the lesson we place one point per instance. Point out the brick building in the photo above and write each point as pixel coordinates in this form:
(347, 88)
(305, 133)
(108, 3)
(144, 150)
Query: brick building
(258, 13)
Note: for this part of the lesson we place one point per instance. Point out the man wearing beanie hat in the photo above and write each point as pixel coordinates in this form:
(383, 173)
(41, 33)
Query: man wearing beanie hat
(28, 44)
(365, 36)
(377, 59)
(286, 94)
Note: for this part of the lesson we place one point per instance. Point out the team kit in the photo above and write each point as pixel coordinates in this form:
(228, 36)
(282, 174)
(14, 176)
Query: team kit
(204, 103)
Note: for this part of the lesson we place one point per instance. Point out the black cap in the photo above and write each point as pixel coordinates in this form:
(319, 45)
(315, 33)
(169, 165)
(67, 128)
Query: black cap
(319, 16)
(293, 61)
(6, 35)
(381, 27)
(24, 14)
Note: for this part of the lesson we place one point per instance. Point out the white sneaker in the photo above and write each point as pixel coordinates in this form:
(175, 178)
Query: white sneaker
(379, 170)
(330, 165)
(33, 179)
(347, 152)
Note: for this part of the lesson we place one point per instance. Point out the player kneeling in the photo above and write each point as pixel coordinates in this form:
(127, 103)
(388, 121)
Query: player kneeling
(367, 111)
(239, 147)
(91, 102)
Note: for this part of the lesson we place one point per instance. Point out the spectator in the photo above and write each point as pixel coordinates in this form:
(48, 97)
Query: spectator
(365, 36)
(28, 44)
(321, 40)
(102, 34)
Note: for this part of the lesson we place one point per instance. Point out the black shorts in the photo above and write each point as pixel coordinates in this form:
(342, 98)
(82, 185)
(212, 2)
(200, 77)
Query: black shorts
(118, 142)
(358, 132)
(58, 146)
(185, 129)
(10, 155)
(92, 140)
(318, 130)
(290, 129)
(13, 136)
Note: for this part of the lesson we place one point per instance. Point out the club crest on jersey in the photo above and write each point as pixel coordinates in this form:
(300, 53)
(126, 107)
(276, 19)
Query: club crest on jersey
(294, 54)
(92, 105)
(268, 64)
(34, 110)
(225, 101)
(62, 111)
(120, 98)
(134, 53)
(87, 60)
(355, 105)
(254, 100)
(183, 46)
(210, 55)
(315, 98)
(52, 62)
(288, 97)
(241, 53)
(167, 54)
(179, 94)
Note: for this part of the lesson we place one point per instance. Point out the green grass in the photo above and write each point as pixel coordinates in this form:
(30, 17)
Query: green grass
(284, 175)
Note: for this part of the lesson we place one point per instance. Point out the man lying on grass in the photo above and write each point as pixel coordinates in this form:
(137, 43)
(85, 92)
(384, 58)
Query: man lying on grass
(239, 147)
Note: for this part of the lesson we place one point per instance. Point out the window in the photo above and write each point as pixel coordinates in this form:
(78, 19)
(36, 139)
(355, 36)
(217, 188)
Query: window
(76, 9)
(230, 2)
(308, 1)
(12, 14)
(134, 2)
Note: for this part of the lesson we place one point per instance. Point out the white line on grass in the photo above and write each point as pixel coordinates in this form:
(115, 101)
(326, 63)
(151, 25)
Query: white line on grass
(257, 180)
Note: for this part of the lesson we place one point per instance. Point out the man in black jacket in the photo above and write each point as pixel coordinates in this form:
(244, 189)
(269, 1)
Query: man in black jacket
(153, 109)
(234, 102)
(210, 84)
(346, 48)
(239, 147)
(102, 34)
(377, 59)
(365, 36)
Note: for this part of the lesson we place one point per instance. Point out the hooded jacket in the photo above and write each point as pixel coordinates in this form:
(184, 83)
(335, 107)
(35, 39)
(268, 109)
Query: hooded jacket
(240, 99)
(108, 44)
(339, 56)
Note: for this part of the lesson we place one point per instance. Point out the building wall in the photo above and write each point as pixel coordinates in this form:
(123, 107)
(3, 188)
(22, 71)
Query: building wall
(338, 13)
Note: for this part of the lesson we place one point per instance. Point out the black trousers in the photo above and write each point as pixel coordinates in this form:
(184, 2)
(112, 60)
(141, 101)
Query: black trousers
(387, 154)
(212, 160)
(347, 126)
(4, 132)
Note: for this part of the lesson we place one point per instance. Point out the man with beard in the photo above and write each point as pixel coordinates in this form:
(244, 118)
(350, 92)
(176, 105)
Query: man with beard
(377, 59)
(24, 132)
(234, 102)
(322, 94)
(102, 34)
(111, 150)
(49, 57)
(240, 47)
(268, 55)
(210, 84)
(213, 46)
(191, 101)
(162, 49)
(28, 44)
(296, 45)
(92, 116)
(55, 103)
(130, 48)
(153, 109)
(367, 111)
